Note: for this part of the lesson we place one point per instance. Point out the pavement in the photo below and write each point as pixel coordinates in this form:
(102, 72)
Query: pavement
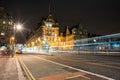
(10, 68)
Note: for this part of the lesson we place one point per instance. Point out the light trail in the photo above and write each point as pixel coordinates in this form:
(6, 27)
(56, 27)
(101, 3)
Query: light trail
(101, 44)
(100, 37)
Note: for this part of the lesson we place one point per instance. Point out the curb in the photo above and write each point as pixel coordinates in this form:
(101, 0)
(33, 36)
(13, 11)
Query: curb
(20, 72)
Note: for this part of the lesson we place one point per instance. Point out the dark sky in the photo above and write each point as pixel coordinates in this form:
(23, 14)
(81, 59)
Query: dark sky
(96, 16)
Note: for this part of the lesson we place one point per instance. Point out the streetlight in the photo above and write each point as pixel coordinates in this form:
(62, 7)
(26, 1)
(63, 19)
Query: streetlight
(94, 40)
(16, 27)
(19, 26)
(95, 45)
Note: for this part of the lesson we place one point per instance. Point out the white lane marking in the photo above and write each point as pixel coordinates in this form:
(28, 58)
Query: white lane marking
(75, 68)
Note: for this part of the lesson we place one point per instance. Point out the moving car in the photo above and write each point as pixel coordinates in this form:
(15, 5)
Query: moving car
(18, 51)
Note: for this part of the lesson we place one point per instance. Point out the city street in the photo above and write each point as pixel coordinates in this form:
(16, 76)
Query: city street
(69, 66)
(59, 40)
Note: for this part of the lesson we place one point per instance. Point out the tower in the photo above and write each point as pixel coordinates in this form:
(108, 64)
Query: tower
(67, 31)
(49, 7)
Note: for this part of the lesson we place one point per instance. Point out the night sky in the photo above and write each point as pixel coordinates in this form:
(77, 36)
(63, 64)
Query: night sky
(97, 16)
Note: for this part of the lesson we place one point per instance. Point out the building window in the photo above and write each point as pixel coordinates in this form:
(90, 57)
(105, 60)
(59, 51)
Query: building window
(80, 32)
(4, 22)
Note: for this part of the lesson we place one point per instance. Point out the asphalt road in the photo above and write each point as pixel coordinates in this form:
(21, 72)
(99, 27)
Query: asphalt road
(69, 66)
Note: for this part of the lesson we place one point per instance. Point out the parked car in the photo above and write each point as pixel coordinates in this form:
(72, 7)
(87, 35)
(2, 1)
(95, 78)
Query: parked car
(18, 51)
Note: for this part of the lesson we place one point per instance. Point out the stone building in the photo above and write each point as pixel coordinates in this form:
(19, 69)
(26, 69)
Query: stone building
(6, 27)
(79, 32)
(48, 35)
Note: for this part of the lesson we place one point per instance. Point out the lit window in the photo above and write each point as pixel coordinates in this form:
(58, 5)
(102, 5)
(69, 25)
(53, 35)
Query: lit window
(4, 22)
(2, 33)
(55, 34)
(80, 32)
(9, 22)
(55, 39)
(48, 24)
(59, 39)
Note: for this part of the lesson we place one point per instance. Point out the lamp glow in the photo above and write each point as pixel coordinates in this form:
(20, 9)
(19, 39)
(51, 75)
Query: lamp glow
(19, 27)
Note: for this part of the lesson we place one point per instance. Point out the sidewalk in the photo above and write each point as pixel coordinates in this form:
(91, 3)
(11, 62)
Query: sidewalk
(10, 68)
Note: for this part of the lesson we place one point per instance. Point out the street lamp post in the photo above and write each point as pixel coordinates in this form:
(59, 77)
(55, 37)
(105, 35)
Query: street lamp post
(16, 27)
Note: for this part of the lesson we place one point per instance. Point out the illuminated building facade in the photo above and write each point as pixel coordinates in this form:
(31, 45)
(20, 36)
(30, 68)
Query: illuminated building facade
(6, 27)
(48, 35)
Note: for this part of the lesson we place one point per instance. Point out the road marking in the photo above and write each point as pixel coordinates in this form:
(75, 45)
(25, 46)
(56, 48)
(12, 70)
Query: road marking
(98, 75)
(20, 73)
(78, 76)
(27, 71)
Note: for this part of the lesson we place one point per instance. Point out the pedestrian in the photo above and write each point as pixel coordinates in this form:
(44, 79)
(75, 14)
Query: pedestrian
(9, 52)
